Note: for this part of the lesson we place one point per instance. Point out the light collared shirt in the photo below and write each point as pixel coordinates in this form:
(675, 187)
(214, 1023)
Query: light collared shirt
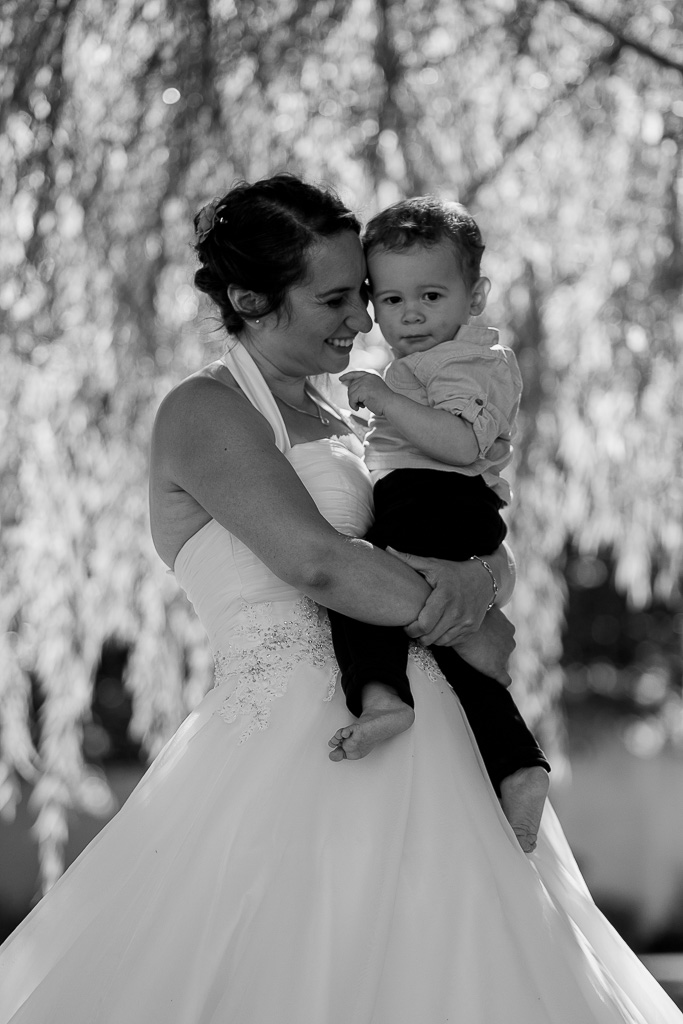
(471, 376)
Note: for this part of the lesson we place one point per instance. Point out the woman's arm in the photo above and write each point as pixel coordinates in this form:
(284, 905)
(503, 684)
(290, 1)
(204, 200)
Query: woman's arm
(461, 594)
(455, 614)
(210, 443)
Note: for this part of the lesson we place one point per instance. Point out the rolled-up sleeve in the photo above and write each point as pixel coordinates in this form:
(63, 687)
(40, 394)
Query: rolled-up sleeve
(481, 384)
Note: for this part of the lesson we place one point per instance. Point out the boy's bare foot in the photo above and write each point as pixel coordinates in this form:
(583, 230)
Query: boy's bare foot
(384, 715)
(522, 795)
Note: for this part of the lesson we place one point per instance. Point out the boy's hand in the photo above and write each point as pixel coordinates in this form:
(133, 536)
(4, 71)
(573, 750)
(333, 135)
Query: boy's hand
(366, 389)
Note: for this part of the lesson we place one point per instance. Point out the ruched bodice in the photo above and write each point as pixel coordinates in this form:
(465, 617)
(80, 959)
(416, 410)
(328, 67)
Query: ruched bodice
(220, 575)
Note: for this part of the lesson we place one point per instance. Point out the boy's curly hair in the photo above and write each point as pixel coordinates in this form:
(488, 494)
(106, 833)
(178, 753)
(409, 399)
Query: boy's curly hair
(427, 220)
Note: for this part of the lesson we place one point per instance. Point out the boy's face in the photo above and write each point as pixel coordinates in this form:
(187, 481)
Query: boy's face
(419, 296)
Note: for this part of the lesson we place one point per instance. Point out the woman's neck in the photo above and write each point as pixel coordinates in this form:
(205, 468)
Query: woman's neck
(280, 383)
(314, 415)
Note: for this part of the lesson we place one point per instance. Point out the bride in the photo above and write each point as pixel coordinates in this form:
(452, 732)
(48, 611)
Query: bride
(250, 879)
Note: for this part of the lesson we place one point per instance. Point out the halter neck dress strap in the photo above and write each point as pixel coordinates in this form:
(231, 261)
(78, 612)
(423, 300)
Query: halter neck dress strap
(249, 377)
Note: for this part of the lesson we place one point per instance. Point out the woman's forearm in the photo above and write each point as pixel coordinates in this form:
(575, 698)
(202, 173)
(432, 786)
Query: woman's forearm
(362, 581)
(355, 578)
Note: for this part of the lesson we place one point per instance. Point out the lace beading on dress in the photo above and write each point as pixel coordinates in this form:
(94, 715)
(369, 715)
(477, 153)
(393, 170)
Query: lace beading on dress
(424, 659)
(262, 654)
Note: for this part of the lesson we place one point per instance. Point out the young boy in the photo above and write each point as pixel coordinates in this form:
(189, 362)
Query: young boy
(440, 434)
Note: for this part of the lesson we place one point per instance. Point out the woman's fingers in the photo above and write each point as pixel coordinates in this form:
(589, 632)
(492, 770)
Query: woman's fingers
(439, 620)
(457, 605)
(451, 636)
(442, 603)
(455, 616)
(416, 562)
(426, 624)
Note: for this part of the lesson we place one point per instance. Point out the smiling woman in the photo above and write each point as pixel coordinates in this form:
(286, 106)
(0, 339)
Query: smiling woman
(322, 315)
(293, 288)
(249, 877)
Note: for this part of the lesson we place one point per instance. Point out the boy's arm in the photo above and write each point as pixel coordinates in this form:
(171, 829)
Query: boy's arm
(440, 434)
(482, 387)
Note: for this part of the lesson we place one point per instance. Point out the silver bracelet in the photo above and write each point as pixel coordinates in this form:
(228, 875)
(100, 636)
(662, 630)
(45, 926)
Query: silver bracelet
(489, 570)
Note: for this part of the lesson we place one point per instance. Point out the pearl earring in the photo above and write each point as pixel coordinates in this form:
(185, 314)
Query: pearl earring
(257, 321)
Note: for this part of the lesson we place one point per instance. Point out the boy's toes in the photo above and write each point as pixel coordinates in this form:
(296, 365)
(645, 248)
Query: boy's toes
(354, 748)
(338, 743)
(374, 726)
(526, 838)
(339, 737)
(523, 797)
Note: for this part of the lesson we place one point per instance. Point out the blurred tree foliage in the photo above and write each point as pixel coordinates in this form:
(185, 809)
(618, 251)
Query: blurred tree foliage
(560, 124)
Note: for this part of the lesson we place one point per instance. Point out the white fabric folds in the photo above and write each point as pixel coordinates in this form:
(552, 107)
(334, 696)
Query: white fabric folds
(250, 880)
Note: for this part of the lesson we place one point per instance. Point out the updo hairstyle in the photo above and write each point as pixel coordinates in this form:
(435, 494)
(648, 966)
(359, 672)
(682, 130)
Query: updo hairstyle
(258, 238)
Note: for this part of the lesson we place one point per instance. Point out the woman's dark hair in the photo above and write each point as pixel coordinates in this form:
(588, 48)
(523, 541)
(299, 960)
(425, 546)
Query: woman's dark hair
(427, 221)
(257, 237)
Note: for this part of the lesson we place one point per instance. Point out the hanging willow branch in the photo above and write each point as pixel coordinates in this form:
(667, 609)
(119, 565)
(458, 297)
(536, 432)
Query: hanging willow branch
(391, 115)
(624, 38)
(606, 58)
(97, 196)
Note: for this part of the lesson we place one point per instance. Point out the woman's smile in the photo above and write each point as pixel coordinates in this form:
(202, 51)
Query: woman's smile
(341, 343)
(325, 312)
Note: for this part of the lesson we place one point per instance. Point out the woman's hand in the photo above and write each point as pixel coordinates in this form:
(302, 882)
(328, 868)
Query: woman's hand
(455, 615)
(455, 609)
(489, 649)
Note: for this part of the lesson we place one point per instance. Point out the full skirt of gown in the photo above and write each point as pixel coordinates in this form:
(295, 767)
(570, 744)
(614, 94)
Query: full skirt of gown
(250, 880)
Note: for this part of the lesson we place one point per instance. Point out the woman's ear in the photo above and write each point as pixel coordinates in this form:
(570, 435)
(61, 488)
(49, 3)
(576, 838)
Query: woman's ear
(244, 301)
(479, 295)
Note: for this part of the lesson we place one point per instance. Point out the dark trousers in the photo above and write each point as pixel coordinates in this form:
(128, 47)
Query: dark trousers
(446, 515)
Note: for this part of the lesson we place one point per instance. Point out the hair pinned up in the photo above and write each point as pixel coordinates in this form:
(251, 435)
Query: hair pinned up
(266, 229)
(205, 220)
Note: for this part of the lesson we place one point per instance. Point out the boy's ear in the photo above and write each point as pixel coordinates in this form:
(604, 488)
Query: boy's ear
(480, 293)
(244, 301)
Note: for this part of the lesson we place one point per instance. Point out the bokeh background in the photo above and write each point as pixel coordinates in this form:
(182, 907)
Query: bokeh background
(560, 125)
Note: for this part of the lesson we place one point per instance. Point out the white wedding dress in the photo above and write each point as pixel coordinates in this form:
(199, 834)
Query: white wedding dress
(251, 880)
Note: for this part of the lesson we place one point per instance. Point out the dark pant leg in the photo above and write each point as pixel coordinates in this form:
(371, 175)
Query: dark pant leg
(368, 653)
(447, 515)
(505, 741)
(410, 505)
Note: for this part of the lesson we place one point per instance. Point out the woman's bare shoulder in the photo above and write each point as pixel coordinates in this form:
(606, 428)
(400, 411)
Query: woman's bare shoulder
(207, 402)
(205, 430)
(212, 379)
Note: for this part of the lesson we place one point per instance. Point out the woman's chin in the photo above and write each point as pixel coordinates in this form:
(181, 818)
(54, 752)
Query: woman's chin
(339, 358)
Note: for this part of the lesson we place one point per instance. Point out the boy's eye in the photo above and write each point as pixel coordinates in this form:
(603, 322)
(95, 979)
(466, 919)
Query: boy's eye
(432, 296)
(391, 300)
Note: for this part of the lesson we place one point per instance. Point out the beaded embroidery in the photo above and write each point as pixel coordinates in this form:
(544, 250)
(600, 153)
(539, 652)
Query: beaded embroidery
(424, 659)
(262, 654)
